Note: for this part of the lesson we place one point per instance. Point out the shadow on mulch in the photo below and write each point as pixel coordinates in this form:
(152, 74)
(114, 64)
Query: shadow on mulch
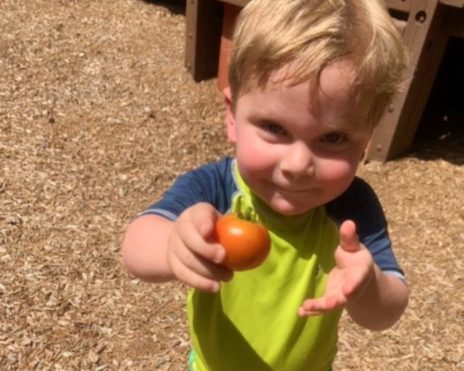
(441, 132)
(174, 6)
(448, 147)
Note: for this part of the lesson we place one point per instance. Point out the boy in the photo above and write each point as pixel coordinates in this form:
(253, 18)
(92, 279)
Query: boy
(309, 80)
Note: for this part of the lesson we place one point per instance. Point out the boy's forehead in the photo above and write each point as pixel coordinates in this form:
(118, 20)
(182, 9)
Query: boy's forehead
(335, 81)
(332, 93)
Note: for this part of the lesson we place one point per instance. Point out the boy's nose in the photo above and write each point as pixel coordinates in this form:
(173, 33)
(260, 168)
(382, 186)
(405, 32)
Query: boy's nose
(298, 161)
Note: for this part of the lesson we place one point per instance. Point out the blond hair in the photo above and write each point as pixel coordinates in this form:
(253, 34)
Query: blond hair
(311, 34)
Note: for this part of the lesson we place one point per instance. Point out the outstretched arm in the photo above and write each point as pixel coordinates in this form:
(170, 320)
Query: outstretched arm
(373, 299)
(144, 248)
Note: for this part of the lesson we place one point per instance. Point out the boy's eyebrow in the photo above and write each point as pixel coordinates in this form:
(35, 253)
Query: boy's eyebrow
(258, 118)
(351, 129)
(343, 128)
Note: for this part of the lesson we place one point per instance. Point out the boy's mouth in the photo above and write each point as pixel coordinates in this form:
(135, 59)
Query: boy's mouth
(294, 190)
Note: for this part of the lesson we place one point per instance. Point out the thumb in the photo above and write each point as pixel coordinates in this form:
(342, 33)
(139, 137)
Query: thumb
(204, 217)
(348, 237)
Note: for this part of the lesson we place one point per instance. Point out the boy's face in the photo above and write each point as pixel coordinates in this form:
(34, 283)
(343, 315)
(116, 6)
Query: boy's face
(296, 150)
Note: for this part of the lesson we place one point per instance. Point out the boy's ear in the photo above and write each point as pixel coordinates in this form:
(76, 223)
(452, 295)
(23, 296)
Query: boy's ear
(230, 116)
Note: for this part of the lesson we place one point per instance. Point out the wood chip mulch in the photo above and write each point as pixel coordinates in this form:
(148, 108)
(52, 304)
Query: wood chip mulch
(97, 117)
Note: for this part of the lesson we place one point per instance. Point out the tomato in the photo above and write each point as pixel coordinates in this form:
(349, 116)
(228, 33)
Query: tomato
(247, 244)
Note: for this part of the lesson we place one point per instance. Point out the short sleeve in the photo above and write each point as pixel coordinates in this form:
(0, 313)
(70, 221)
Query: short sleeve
(211, 183)
(360, 204)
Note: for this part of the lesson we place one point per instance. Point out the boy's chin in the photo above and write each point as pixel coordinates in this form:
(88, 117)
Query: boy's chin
(287, 209)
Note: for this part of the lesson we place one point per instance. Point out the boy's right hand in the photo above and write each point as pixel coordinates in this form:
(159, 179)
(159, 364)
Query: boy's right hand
(193, 255)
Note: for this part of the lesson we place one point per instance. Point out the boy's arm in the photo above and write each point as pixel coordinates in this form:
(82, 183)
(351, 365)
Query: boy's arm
(380, 300)
(144, 248)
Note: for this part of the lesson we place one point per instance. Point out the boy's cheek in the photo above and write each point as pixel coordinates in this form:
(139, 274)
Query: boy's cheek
(254, 158)
(333, 171)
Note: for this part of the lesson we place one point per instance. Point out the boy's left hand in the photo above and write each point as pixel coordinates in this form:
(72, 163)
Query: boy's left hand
(354, 268)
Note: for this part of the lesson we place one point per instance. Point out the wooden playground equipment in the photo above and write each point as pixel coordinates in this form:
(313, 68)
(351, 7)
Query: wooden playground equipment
(426, 27)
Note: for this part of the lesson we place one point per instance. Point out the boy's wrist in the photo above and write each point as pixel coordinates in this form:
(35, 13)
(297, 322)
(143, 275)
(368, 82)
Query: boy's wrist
(370, 286)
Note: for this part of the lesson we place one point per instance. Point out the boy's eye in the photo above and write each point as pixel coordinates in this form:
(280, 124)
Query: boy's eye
(274, 129)
(334, 138)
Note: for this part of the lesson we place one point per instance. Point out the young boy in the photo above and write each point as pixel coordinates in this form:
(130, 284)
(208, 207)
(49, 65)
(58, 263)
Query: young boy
(309, 80)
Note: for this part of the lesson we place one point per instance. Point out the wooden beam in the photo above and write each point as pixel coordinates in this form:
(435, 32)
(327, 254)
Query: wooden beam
(399, 5)
(240, 3)
(396, 130)
(203, 35)
(455, 3)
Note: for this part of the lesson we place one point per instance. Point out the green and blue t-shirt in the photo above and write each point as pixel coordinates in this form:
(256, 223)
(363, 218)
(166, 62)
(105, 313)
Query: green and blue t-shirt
(252, 323)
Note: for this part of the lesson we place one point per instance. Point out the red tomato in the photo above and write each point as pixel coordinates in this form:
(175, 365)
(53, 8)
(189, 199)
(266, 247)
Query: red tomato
(247, 244)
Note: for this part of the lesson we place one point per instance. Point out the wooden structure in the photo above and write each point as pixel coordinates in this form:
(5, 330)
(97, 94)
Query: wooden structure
(426, 27)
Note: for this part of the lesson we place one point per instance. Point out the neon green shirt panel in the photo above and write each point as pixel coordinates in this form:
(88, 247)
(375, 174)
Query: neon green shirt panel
(252, 324)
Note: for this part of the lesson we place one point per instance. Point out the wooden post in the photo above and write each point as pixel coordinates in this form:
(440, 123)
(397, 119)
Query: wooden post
(230, 15)
(398, 125)
(203, 33)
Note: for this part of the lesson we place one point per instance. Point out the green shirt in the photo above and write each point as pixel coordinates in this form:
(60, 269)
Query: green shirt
(252, 323)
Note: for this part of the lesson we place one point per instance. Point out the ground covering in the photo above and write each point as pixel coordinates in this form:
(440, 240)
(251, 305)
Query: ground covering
(97, 117)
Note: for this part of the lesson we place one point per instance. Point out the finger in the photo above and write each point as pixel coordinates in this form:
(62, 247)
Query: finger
(204, 217)
(196, 274)
(195, 262)
(195, 280)
(313, 307)
(191, 238)
(208, 269)
(348, 237)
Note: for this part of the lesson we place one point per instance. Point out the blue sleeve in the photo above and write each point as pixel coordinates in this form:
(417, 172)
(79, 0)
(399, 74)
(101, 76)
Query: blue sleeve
(360, 204)
(212, 183)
